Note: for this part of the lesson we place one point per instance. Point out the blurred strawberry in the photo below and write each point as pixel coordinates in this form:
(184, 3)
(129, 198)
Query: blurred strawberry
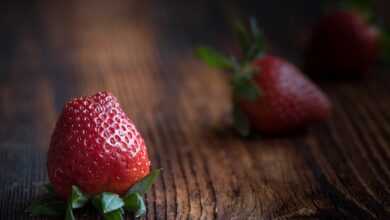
(269, 94)
(345, 43)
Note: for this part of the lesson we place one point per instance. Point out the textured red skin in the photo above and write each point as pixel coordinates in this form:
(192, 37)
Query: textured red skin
(288, 100)
(96, 147)
(343, 44)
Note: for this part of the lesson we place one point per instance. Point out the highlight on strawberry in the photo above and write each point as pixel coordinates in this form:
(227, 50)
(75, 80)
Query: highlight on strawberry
(270, 95)
(97, 158)
(347, 41)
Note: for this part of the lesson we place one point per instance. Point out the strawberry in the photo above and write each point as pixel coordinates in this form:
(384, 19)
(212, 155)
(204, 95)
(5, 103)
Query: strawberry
(97, 153)
(270, 95)
(288, 100)
(343, 44)
(347, 41)
(96, 147)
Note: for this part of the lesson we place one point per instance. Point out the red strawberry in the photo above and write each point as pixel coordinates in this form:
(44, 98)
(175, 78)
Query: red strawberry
(288, 100)
(343, 44)
(96, 147)
(270, 94)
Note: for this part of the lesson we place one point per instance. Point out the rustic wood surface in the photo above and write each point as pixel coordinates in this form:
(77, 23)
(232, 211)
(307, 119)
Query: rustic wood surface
(141, 51)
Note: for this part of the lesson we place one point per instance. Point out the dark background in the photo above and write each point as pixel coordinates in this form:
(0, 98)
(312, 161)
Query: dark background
(142, 51)
(286, 23)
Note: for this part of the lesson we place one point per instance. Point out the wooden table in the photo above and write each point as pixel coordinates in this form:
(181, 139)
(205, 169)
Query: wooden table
(141, 51)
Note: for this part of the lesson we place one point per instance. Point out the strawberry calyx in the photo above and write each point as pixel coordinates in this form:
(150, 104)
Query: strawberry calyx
(384, 43)
(110, 205)
(242, 70)
(364, 7)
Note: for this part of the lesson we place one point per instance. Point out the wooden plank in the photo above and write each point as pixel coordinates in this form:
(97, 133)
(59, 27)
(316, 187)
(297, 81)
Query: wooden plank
(139, 51)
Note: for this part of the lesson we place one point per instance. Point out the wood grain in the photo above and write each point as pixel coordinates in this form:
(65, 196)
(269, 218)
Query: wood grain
(142, 52)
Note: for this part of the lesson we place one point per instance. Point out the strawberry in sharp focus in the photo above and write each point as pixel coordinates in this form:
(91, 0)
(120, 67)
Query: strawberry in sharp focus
(96, 155)
(96, 147)
(345, 43)
(270, 95)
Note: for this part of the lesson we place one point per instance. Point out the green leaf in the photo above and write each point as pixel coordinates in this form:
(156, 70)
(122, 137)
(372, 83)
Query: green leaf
(52, 206)
(258, 42)
(243, 36)
(77, 198)
(365, 7)
(114, 215)
(385, 46)
(247, 90)
(135, 203)
(69, 213)
(243, 85)
(251, 41)
(240, 122)
(143, 185)
(255, 28)
(47, 206)
(107, 202)
(213, 58)
(359, 4)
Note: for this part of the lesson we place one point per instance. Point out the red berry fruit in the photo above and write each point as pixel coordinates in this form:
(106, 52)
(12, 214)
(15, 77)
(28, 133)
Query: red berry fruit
(96, 147)
(288, 100)
(342, 45)
(270, 95)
